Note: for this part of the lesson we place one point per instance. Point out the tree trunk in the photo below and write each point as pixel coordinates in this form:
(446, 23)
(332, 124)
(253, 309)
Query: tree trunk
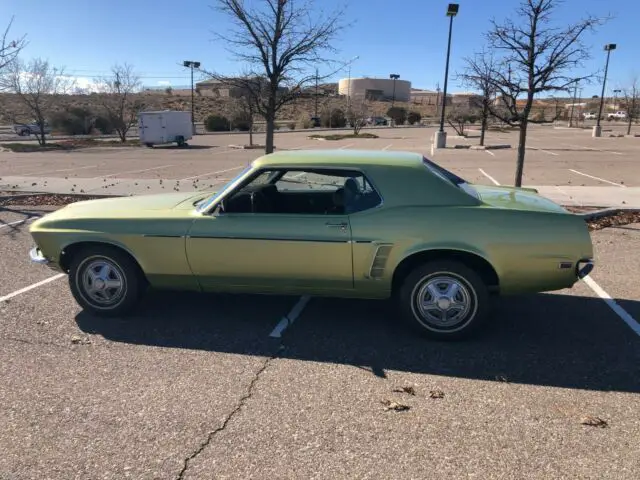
(629, 124)
(522, 141)
(271, 123)
(483, 126)
(251, 133)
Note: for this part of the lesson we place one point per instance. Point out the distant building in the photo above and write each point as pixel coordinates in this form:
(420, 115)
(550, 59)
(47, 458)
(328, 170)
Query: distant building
(427, 97)
(375, 88)
(229, 88)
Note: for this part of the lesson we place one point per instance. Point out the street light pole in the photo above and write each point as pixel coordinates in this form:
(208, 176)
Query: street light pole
(597, 129)
(349, 82)
(573, 105)
(395, 76)
(441, 136)
(191, 64)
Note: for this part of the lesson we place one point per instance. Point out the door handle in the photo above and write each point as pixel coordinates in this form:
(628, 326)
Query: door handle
(337, 225)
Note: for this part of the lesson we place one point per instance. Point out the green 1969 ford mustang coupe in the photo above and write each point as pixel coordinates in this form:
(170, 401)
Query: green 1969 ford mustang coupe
(361, 224)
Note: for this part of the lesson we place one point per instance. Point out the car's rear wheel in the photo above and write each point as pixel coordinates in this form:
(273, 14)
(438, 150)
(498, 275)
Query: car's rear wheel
(445, 300)
(105, 281)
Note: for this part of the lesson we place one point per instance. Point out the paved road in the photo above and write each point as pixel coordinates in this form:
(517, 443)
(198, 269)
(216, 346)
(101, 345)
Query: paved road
(194, 386)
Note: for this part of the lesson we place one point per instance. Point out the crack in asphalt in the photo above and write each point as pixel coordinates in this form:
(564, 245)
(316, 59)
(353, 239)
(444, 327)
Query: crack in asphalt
(241, 403)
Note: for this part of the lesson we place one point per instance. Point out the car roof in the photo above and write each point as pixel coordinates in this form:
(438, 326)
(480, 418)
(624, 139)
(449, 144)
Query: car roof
(336, 157)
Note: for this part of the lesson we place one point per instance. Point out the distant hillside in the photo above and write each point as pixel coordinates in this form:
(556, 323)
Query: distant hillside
(11, 109)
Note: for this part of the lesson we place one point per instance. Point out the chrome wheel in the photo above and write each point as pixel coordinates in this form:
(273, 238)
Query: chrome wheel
(444, 302)
(102, 282)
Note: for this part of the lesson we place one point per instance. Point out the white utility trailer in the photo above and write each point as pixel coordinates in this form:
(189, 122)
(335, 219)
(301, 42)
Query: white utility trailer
(164, 126)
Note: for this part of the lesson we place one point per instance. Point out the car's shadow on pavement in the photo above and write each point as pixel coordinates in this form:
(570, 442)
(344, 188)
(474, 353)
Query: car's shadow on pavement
(546, 339)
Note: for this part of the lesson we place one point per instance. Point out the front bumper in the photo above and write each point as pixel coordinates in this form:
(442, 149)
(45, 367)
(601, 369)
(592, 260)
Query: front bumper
(37, 257)
(584, 267)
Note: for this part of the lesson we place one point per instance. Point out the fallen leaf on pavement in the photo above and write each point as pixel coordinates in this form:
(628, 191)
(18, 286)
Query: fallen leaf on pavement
(594, 421)
(436, 394)
(395, 406)
(407, 389)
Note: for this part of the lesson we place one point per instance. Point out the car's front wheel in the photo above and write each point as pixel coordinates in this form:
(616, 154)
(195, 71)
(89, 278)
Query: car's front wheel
(105, 281)
(445, 300)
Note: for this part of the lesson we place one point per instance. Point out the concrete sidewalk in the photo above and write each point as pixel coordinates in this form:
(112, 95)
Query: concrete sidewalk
(564, 195)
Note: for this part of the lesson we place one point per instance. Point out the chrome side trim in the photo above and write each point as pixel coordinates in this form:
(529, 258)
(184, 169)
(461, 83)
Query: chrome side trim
(379, 261)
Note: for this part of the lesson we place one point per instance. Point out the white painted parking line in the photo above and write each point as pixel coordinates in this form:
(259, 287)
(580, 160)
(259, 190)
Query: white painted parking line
(290, 318)
(490, 153)
(133, 171)
(621, 312)
(17, 222)
(387, 147)
(595, 149)
(489, 177)
(212, 173)
(31, 287)
(12, 223)
(545, 151)
(347, 146)
(597, 178)
(61, 170)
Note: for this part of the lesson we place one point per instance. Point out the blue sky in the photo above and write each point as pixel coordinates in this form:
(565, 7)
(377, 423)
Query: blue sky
(407, 37)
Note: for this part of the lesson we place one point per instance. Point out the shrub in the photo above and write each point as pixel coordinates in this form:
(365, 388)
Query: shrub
(104, 124)
(398, 114)
(291, 125)
(304, 122)
(216, 123)
(73, 121)
(335, 119)
(414, 117)
(241, 122)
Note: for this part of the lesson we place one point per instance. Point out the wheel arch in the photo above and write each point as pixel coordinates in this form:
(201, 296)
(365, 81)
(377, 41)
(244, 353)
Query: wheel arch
(68, 252)
(473, 260)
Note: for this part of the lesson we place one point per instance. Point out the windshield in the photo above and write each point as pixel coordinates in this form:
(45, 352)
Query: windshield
(450, 177)
(205, 203)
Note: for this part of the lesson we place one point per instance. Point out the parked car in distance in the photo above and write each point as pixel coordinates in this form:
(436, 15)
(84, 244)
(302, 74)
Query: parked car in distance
(315, 122)
(377, 121)
(341, 223)
(620, 115)
(26, 129)
(590, 115)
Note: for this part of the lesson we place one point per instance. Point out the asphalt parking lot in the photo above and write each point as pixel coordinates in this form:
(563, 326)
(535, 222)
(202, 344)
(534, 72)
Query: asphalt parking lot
(196, 386)
(202, 386)
(555, 156)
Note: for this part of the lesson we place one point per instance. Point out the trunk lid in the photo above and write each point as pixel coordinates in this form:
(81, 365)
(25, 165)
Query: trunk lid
(514, 198)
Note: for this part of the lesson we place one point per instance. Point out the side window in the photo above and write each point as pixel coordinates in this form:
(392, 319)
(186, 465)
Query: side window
(299, 191)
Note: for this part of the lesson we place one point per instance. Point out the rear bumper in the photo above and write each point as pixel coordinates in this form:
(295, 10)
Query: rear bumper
(584, 267)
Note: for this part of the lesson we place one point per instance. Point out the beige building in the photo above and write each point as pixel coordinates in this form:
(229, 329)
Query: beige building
(375, 88)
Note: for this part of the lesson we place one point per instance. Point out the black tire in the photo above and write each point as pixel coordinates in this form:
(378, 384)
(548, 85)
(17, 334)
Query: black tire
(122, 269)
(473, 298)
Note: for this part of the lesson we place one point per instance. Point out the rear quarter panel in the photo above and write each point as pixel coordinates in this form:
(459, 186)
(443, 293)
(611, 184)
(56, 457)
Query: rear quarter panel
(524, 248)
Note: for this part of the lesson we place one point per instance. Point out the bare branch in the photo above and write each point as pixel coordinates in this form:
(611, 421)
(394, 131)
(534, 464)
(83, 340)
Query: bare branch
(280, 42)
(117, 101)
(10, 48)
(535, 57)
(38, 86)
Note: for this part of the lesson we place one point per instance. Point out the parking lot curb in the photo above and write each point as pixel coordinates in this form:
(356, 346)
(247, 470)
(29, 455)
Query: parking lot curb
(605, 212)
(490, 147)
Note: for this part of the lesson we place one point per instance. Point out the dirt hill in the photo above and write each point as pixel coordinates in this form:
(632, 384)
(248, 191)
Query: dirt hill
(12, 110)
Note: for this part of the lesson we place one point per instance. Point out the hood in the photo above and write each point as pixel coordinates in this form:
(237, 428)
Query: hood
(514, 198)
(161, 201)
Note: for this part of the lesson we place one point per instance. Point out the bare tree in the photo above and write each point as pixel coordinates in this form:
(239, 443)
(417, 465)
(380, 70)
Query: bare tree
(459, 116)
(632, 101)
(38, 86)
(535, 58)
(118, 98)
(280, 42)
(9, 49)
(244, 110)
(358, 113)
(479, 75)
